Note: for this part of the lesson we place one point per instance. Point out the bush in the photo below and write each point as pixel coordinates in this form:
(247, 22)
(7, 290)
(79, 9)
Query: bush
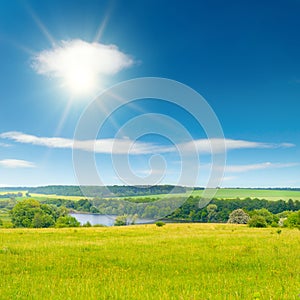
(121, 221)
(67, 221)
(1, 222)
(160, 223)
(293, 220)
(238, 216)
(257, 221)
(267, 215)
(87, 224)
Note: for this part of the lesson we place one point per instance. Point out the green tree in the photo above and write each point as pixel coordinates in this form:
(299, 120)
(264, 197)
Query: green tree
(212, 212)
(42, 220)
(30, 213)
(150, 212)
(23, 212)
(238, 216)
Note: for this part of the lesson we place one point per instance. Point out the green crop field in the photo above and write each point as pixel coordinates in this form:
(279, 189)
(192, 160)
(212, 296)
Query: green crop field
(177, 261)
(270, 194)
(260, 194)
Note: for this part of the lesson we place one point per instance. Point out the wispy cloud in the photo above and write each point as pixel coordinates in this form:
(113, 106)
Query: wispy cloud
(206, 145)
(16, 163)
(116, 146)
(260, 166)
(124, 146)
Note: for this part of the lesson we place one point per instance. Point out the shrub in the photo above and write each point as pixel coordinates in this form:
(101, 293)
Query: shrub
(238, 216)
(121, 221)
(67, 221)
(160, 223)
(257, 221)
(87, 224)
(274, 224)
(267, 215)
(293, 220)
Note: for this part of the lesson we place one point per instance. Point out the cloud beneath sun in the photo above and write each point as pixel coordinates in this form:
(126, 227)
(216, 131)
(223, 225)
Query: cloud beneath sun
(80, 65)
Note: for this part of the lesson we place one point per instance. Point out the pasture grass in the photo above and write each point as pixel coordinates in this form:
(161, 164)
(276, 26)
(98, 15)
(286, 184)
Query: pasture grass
(177, 261)
(224, 193)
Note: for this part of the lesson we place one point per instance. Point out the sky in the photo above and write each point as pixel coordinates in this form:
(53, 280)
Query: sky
(242, 57)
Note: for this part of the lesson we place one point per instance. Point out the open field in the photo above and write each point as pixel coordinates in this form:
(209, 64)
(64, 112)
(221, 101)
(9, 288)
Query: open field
(178, 261)
(272, 195)
(260, 194)
(54, 196)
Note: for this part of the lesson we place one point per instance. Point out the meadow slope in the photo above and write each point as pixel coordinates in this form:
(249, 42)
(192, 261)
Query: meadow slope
(178, 261)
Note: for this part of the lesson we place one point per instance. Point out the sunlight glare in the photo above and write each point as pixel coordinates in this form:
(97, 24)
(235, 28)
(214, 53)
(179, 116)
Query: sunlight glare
(78, 71)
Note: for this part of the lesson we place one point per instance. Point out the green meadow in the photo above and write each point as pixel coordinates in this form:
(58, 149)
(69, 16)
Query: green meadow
(226, 193)
(177, 261)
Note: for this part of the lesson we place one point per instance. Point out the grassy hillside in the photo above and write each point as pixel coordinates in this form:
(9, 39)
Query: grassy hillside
(260, 194)
(179, 261)
(268, 194)
(224, 193)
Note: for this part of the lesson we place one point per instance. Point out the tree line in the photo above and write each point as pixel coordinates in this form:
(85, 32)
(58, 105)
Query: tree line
(55, 212)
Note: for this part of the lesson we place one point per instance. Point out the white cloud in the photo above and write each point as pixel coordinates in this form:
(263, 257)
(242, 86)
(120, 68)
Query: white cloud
(205, 145)
(80, 64)
(16, 163)
(260, 166)
(117, 146)
(124, 146)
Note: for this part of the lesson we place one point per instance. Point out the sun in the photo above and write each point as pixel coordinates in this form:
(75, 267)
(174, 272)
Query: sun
(81, 66)
(78, 70)
(80, 78)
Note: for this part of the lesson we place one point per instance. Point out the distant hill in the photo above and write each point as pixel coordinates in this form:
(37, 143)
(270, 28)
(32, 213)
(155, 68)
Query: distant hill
(109, 191)
(131, 191)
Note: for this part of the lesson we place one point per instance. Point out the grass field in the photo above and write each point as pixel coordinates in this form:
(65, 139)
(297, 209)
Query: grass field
(178, 261)
(260, 194)
(272, 195)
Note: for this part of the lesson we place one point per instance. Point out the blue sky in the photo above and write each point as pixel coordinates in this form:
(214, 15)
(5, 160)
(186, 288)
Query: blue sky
(241, 56)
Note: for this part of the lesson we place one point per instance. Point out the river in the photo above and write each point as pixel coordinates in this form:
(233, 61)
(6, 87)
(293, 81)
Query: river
(96, 219)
